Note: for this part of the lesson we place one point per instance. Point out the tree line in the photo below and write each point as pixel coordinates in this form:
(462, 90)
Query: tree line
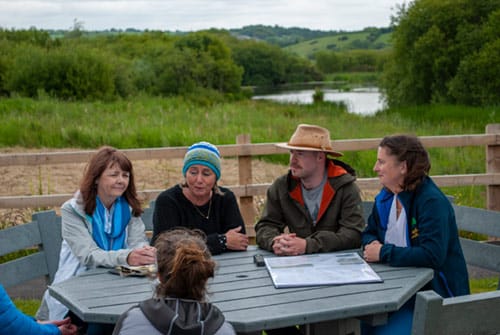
(443, 51)
(207, 63)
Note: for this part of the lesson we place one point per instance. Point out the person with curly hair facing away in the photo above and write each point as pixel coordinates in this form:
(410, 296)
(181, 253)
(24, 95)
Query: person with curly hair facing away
(179, 305)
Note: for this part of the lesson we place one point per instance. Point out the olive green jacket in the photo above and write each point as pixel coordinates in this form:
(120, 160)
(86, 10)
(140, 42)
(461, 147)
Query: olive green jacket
(340, 218)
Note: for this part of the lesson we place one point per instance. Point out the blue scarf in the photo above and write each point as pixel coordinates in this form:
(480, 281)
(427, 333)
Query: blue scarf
(113, 236)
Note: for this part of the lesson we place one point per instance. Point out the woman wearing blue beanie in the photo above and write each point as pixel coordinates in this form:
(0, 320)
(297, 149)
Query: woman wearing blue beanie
(198, 203)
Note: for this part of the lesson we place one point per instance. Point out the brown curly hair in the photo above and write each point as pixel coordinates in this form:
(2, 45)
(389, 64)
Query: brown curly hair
(184, 264)
(409, 148)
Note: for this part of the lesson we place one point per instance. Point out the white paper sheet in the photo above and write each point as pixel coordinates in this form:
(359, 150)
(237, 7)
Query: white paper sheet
(320, 269)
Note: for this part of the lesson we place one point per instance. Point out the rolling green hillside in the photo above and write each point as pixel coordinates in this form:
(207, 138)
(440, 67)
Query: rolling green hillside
(367, 39)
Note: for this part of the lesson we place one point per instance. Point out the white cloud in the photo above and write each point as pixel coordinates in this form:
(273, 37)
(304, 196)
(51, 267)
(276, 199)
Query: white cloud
(190, 15)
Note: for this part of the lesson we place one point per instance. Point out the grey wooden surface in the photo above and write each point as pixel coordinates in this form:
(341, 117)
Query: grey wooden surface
(470, 314)
(42, 237)
(481, 221)
(247, 297)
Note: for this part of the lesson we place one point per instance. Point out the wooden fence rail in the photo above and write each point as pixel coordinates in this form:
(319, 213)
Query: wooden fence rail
(244, 150)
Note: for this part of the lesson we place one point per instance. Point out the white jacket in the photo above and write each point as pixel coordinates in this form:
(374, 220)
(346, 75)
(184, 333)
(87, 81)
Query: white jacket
(79, 252)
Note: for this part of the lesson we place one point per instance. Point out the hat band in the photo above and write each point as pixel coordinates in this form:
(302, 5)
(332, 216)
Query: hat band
(209, 165)
(321, 147)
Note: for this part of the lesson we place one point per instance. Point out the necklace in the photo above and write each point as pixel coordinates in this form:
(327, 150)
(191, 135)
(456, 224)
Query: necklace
(207, 216)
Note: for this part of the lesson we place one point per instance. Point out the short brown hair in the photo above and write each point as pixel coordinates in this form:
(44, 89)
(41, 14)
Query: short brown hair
(107, 156)
(409, 148)
(184, 264)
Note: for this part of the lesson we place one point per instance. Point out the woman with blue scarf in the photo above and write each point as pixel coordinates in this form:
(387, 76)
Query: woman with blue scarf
(412, 224)
(101, 226)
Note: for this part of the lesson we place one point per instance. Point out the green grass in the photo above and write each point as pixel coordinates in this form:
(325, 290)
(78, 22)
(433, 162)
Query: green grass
(338, 42)
(483, 285)
(27, 306)
(146, 122)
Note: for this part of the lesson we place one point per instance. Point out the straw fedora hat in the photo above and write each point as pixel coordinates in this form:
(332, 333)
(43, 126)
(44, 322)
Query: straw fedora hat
(310, 138)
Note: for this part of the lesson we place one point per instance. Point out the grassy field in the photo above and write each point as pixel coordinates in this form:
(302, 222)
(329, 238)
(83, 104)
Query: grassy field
(146, 122)
(338, 42)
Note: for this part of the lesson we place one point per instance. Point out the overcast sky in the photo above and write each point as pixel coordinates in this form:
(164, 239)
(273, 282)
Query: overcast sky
(193, 15)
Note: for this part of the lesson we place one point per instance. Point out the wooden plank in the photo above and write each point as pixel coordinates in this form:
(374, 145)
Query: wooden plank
(34, 201)
(23, 269)
(147, 216)
(481, 254)
(19, 237)
(237, 150)
(470, 314)
(245, 190)
(49, 225)
(478, 220)
(493, 166)
(246, 203)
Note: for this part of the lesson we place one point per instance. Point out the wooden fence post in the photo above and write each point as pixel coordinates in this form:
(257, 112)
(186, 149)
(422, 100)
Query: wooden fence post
(247, 207)
(493, 166)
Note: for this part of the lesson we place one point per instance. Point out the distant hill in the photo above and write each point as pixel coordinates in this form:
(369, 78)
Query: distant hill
(301, 41)
(305, 42)
(367, 39)
(279, 35)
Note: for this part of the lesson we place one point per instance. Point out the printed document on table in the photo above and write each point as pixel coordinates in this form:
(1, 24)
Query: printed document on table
(320, 269)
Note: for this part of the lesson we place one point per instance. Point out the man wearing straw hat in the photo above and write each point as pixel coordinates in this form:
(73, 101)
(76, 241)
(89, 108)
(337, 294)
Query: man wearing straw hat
(318, 200)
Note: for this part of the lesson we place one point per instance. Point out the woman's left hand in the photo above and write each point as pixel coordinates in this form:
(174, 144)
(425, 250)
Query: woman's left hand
(372, 251)
(142, 256)
(236, 240)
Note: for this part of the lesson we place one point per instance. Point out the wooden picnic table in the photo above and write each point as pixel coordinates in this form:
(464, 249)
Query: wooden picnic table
(250, 302)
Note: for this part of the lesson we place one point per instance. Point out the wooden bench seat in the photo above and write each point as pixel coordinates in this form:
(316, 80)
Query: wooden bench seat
(42, 239)
(464, 315)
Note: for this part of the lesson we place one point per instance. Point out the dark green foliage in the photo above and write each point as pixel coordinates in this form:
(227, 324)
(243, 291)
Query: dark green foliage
(318, 96)
(263, 63)
(66, 73)
(444, 51)
(278, 35)
(268, 65)
(351, 61)
(31, 36)
(211, 65)
(81, 65)
(477, 80)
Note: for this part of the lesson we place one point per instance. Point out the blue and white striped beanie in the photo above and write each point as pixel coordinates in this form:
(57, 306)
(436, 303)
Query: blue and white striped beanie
(202, 153)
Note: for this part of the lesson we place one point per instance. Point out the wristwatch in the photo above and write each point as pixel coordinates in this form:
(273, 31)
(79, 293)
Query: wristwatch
(223, 241)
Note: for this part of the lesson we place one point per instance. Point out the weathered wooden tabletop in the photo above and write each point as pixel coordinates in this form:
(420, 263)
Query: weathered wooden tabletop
(247, 297)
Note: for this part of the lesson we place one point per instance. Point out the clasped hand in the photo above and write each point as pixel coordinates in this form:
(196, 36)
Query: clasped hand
(289, 245)
(371, 252)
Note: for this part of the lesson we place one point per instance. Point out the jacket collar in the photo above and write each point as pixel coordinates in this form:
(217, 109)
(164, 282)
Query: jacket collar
(295, 190)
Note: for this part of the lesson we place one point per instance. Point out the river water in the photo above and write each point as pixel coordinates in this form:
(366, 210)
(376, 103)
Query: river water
(365, 101)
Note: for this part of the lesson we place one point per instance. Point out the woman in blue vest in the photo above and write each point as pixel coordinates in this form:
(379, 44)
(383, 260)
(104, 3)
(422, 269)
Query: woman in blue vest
(412, 224)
